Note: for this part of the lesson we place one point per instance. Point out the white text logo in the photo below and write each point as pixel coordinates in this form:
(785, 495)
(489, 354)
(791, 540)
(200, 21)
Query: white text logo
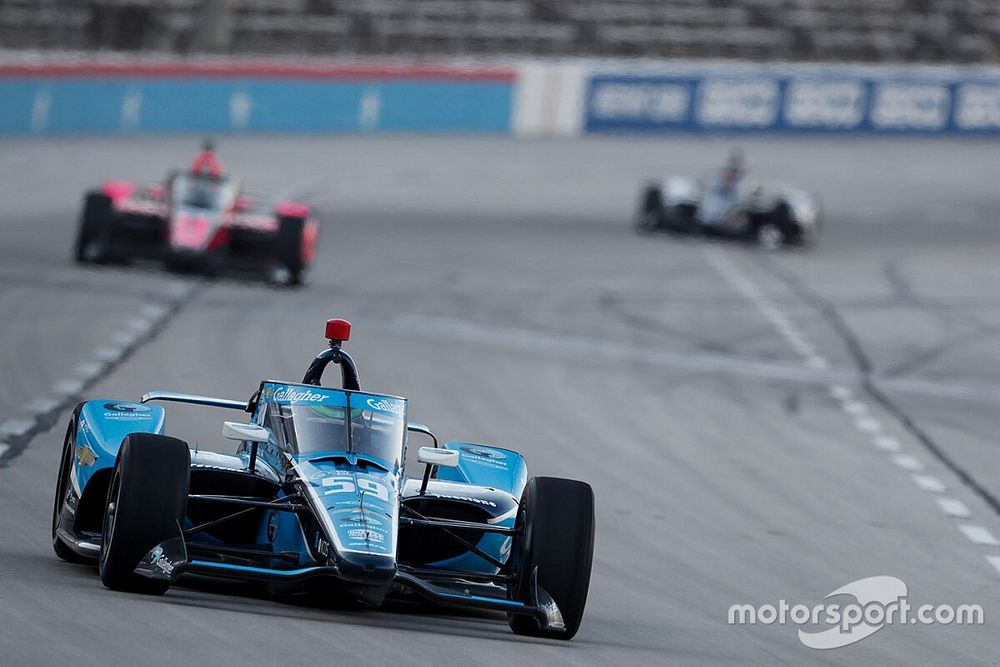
(878, 602)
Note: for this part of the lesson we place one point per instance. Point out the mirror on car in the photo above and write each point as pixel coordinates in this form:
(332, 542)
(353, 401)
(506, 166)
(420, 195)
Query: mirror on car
(417, 427)
(446, 458)
(244, 432)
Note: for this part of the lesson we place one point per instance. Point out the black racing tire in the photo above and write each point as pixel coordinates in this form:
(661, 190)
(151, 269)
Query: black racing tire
(682, 219)
(777, 229)
(808, 235)
(649, 217)
(94, 230)
(557, 522)
(647, 223)
(147, 500)
(63, 550)
(288, 248)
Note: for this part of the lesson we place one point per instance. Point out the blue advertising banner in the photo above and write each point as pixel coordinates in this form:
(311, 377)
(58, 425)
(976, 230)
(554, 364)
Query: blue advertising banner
(831, 101)
(94, 98)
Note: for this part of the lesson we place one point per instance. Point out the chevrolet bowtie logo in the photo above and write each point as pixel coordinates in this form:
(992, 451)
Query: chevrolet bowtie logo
(86, 456)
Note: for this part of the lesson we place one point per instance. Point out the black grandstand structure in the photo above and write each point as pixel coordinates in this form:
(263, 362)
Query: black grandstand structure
(931, 31)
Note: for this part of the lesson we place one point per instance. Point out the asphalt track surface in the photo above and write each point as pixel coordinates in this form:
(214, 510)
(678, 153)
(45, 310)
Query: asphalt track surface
(757, 426)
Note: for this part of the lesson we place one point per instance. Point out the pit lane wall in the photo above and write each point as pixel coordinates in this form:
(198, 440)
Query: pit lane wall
(57, 95)
(577, 98)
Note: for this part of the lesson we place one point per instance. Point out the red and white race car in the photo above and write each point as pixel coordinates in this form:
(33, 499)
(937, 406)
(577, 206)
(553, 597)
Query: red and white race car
(198, 220)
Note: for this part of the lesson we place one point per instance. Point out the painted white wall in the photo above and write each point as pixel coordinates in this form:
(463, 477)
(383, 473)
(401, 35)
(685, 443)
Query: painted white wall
(548, 99)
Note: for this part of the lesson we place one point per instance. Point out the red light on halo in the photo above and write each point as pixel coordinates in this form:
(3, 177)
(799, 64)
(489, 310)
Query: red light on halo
(339, 330)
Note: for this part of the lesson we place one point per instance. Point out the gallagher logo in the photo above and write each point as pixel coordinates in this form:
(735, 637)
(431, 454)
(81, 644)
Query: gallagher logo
(356, 516)
(127, 407)
(290, 395)
(484, 453)
(386, 405)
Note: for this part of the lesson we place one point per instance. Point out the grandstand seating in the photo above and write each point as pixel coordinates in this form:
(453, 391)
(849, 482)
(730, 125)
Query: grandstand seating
(814, 30)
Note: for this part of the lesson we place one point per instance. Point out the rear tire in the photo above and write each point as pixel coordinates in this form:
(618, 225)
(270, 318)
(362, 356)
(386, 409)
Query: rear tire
(288, 250)
(93, 232)
(147, 500)
(777, 229)
(557, 520)
(650, 215)
(63, 550)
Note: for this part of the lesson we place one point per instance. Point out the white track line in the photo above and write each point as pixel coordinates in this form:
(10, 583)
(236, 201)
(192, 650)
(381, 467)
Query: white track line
(887, 442)
(41, 406)
(908, 462)
(125, 338)
(868, 425)
(108, 353)
(88, 370)
(68, 387)
(841, 393)
(979, 535)
(140, 325)
(854, 408)
(15, 428)
(929, 483)
(954, 507)
(994, 561)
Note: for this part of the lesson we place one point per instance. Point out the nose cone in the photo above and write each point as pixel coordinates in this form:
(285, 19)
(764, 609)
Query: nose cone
(367, 569)
(366, 577)
(189, 232)
(362, 508)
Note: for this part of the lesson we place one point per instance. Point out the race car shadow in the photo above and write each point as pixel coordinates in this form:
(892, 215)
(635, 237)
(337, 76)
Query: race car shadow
(219, 595)
(703, 238)
(231, 276)
(406, 615)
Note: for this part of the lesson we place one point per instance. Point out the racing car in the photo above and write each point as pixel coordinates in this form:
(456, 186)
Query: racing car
(731, 204)
(316, 499)
(199, 219)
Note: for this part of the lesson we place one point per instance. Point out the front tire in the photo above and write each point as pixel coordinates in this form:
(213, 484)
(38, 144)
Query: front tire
(147, 500)
(777, 229)
(94, 229)
(557, 520)
(650, 215)
(63, 550)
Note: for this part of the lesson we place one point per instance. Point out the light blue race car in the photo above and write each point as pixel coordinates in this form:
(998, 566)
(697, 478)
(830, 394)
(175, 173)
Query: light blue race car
(316, 500)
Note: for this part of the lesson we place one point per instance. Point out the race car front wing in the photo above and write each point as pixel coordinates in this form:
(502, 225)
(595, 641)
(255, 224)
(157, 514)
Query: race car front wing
(170, 559)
